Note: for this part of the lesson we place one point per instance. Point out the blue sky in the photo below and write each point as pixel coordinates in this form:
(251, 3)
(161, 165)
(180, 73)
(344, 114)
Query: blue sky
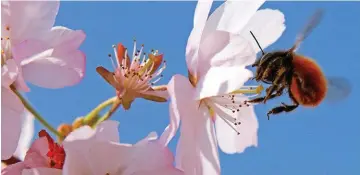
(319, 141)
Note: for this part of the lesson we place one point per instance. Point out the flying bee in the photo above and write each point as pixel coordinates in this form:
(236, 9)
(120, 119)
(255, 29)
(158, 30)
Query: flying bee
(299, 75)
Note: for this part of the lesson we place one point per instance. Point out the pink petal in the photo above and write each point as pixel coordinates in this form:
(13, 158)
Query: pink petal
(229, 141)
(232, 16)
(85, 142)
(100, 152)
(267, 26)
(36, 156)
(177, 95)
(11, 121)
(20, 83)
(95, 159)
(53, 68)
(224, 49)
(200, 17)
(105, 131)
(108, 131)
(42, 171)
(60, 35)
(9, 73)
(171, 129)
(198, 146)
(31, 20)
(170, 170)
(221, 80)
(14, 169)
(5, 17)
(76, 161)
(152, 136)
(160, 156)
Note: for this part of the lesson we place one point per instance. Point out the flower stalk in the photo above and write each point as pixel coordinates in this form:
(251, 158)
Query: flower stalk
(35, 113)
(107, 115)
(94, 113)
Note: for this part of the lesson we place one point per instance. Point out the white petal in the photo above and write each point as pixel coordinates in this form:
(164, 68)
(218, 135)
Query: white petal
(181, 93)
(229, 141)
(224, 49)
(208, 146)
(232, 16)
(221, 80)
(197, 152)
(27, 133)
(171, 129)
(200, 17)
(267, 25)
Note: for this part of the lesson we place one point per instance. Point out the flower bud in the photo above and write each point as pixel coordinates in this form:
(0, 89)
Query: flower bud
(64, 129)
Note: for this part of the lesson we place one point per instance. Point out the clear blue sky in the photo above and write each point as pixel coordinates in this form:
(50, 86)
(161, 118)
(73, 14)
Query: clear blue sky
(319, 141)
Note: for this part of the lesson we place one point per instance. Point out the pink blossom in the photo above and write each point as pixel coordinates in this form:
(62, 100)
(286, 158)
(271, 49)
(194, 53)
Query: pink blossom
(213, 96)
(46, 56)
(43, 158)
(136, 78)
(98, 152)
(11, 111)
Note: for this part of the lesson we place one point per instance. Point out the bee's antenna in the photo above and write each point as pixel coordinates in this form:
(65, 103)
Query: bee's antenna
(257, 43)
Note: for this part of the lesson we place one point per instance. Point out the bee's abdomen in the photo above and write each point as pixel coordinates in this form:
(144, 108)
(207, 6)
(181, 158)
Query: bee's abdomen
(310, 88)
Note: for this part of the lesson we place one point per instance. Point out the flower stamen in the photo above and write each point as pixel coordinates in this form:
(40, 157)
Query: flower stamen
(226, 106)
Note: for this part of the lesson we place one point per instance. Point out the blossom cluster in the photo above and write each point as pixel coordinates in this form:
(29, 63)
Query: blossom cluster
(210, 102)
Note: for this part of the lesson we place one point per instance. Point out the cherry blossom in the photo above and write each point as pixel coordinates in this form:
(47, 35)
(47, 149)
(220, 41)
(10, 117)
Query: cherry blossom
(46, 56)
(98, 151)
(136, 78)
(44, 157)
(33, 50)
(211, 101)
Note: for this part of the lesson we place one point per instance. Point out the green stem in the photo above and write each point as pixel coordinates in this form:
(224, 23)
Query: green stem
(108, 114)
(93, 114)
(36, 114)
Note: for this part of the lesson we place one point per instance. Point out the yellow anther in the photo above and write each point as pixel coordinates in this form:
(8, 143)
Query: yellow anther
(259, 89)
(249, 90)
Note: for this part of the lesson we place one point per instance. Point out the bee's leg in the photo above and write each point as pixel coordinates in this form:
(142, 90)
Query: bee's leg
(285, 107)
(261, 99)
(280, 109)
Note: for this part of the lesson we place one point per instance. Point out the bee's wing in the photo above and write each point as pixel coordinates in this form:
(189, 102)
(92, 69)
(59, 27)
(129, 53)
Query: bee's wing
(339, 88)
(313, 22)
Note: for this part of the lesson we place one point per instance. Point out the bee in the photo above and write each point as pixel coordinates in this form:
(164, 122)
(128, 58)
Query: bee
(301, 76)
